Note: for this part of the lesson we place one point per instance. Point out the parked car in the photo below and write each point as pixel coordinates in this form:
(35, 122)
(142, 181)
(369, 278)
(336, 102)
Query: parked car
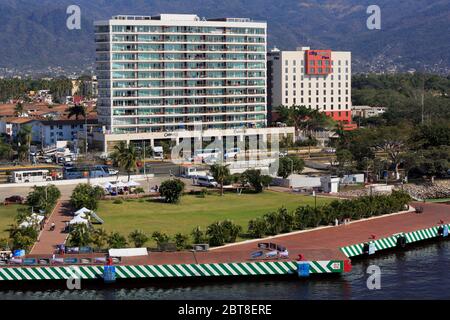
(15, 200)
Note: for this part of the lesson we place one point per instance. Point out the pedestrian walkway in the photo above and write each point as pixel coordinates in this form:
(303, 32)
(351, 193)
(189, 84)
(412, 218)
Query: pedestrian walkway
(48, 239)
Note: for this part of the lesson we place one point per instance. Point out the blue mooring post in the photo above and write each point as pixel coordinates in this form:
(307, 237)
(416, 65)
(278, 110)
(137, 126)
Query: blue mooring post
(109, 274)
(303, 269)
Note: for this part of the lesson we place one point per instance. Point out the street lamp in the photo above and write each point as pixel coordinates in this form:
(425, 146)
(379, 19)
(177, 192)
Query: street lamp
(315, 200)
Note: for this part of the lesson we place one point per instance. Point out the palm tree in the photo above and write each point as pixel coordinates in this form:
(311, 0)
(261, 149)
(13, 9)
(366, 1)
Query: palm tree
(100, 238)
(77, 111)
(220, 172)
(126, 157)
(80, 236)
(24, 141)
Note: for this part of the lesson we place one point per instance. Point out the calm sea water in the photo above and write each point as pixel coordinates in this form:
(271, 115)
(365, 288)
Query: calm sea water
(422, 272)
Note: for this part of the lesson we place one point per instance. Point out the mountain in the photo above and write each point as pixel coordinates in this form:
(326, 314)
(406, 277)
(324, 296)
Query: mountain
(414, 34)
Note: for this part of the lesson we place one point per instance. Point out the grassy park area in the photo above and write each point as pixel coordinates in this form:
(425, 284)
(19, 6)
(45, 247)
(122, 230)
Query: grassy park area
(192, 211)
(7, 214)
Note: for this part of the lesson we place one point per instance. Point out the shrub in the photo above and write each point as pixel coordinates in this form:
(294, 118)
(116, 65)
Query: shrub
(118, 201)
(116, 240)
(230, 230)
(160, 238)
(198, 235)
(139, 190)
(181, 241)
(257, 228)
(216, 234)
(138, 238)
(171, 190)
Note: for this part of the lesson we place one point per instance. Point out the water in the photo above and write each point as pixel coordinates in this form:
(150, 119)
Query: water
(418, 273)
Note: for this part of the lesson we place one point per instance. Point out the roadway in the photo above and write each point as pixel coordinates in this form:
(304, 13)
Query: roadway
(66, 190)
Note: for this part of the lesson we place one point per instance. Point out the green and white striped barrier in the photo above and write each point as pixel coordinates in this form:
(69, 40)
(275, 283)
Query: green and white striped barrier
(391, 242)
(168, 271)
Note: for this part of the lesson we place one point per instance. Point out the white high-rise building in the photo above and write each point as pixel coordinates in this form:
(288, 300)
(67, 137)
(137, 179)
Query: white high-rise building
(170, 75)
(316, 79)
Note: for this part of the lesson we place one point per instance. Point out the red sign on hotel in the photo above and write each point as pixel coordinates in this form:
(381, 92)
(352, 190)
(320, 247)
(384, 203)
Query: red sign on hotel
(318, 62)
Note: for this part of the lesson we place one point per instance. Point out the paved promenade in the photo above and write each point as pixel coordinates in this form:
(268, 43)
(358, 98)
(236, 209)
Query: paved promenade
(314, 245)
(49, 239)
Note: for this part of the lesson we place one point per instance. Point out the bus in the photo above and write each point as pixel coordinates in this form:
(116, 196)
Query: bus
(99, 171)
(31, 176)
(207, 153)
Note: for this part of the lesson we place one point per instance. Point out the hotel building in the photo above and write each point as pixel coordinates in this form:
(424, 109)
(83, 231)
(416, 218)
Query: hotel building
(170, 76)
(316, 79)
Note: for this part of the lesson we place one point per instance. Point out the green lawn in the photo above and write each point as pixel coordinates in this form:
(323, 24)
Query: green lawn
(7, 214)
(194, 211)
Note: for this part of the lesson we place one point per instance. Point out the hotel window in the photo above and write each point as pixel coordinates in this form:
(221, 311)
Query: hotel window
(302, 100)
(295, 93)
(295, 101)
(294, 78)
(287, 101)
(295, 70)
(286, 62)
(287, 85)
(286, 70)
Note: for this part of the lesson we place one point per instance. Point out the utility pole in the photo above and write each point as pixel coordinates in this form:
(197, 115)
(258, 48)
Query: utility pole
(85, 136)
(423, 98)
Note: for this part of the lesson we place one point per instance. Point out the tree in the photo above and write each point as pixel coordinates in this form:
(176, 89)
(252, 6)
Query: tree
(117, 241)
(43, 198)
(80, 236)
(345, 160)
(138, 237)
(126, 157)
(289, 165)
(100, 238)
(18, 109)
(171, 190)
(22, 238)
(305, 119)
(87, 196)
(76, 110)
(220, 173)
(254, 178)
(393, 142)
(24, 137)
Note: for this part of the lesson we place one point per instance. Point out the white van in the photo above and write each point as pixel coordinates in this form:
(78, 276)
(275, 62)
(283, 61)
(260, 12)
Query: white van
(206, 181)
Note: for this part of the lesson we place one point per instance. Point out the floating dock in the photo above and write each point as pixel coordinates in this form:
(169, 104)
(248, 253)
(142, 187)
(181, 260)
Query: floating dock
(326, 250)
